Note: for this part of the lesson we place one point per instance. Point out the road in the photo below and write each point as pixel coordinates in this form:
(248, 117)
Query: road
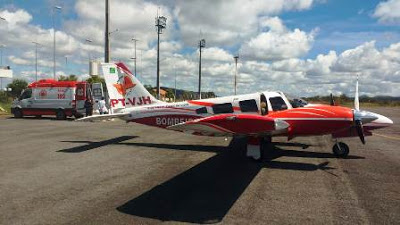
(66, 172)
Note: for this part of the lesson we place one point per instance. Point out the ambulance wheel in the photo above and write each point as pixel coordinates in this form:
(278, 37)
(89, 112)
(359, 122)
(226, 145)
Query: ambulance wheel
(340, 150)
(18, 113)
(60, 115)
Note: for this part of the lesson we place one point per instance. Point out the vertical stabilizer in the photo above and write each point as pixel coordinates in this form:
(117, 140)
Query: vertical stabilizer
(124, 89)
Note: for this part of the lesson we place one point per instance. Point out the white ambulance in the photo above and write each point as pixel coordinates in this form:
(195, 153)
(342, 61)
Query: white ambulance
(50, 97)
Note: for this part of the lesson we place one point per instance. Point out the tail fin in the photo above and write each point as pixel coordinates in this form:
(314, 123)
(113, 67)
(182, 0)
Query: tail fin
(124, 89)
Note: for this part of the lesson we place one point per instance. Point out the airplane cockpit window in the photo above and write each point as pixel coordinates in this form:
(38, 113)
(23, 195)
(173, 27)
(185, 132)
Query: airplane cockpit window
(296, 101)
(26, 94)
(201, 110)
(248, 106)
(277, 103)
(222, 108)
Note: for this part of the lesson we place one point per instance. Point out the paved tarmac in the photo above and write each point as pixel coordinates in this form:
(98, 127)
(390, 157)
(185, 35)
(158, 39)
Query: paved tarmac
(66, 172)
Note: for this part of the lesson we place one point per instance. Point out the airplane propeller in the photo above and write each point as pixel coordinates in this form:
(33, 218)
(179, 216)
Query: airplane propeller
(357, 119)
(332, 100)
(361, 117)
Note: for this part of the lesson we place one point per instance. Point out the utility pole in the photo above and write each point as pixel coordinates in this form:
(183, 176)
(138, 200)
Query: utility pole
(1, 54)
(236, 70)
(135, 40)
(54, 40)
(202, 44)
(161, 23)
(107, 34)
(36, 54)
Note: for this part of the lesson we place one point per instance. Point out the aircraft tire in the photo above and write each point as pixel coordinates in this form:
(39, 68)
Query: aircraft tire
(340, 150)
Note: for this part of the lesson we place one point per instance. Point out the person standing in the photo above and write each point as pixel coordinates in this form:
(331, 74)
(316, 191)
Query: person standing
(88, 107)
(102, 106)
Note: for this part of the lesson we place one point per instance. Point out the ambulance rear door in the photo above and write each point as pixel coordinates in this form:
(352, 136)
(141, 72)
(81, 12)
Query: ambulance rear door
(80, 97)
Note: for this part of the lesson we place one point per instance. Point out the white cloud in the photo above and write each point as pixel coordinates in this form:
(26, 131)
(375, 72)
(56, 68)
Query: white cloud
(225, 23)
(278, 42)
(388, 11)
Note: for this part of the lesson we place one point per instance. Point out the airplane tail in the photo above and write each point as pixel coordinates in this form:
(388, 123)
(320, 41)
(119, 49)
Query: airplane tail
(124, 90)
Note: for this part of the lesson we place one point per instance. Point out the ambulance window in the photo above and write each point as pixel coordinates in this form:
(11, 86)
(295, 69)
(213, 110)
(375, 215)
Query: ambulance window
(201, 110)
(222, 108)
(248, 106)
(26, 94)
(277, 104)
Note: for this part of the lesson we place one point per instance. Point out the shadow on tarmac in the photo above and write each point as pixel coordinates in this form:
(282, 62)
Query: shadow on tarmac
(93, 145)
(206, 192)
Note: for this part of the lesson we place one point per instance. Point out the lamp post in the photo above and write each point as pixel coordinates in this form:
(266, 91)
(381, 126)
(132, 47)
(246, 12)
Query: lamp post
(36, 56)
(1, 54)
(236, 70)
(107, 34)
(89, 41)
(202, 44)
(161, 23)
(54, 39)
(134, 58)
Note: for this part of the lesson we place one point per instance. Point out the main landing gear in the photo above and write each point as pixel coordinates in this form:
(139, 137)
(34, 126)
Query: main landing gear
(340, 149)
(256, 148)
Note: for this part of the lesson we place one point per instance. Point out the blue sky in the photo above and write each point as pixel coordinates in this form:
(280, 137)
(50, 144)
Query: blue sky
(281, 43)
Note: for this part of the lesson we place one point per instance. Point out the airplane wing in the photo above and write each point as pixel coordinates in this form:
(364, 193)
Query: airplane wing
(233, 124)
(104, 117)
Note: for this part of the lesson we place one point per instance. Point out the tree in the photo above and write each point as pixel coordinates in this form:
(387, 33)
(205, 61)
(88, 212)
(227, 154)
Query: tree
(71, 77)
(97, 79)
(17, 86)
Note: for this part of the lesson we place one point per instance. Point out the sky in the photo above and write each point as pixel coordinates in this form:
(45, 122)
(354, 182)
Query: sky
(301, 47)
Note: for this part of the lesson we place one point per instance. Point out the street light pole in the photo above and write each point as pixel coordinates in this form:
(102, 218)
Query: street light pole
(161, 23)
(135, 40)
(107, 34)
(236, 68)
(1, 54)
(89, 41)
(54, 40)
(36, 63)
(202, 44)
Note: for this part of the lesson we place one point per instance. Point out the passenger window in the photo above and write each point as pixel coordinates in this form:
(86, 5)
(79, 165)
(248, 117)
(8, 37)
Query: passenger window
(201, 110)
(277, 104)
(248, 106)
(222, 108)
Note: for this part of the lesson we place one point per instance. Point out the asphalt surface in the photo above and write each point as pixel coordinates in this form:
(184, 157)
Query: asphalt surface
(66, 172)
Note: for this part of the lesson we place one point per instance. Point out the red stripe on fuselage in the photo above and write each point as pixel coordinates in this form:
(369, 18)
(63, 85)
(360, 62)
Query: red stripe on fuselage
(164, 121)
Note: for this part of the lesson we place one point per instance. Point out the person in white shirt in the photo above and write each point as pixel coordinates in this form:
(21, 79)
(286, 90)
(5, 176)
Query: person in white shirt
(102, 106)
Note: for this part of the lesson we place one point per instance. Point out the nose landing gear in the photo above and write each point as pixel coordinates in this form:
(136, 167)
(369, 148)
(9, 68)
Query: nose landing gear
(340, 150)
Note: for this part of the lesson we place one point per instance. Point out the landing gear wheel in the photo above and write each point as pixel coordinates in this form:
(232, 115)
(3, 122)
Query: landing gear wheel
(60, 115)
(340, 150)
(18, 113)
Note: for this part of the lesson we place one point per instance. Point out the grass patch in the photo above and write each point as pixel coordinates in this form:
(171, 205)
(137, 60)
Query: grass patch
(6, 106)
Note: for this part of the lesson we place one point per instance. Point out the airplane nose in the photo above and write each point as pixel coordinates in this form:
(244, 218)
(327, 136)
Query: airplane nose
(381, 120)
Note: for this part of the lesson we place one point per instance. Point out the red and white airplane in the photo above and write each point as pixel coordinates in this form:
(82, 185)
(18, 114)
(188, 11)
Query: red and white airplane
(258, 116)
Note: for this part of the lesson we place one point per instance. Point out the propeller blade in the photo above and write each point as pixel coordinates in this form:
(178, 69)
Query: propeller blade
(332, 100)
(356, 101)
(360, 131)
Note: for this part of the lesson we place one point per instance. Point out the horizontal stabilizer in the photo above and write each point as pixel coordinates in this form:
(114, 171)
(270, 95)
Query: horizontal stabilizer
(104, 117)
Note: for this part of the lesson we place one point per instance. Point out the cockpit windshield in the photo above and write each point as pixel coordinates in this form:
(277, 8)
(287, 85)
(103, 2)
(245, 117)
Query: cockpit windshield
(296, 101)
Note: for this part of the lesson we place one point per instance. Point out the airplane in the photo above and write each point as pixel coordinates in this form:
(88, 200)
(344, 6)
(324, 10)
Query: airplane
(257, 116)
